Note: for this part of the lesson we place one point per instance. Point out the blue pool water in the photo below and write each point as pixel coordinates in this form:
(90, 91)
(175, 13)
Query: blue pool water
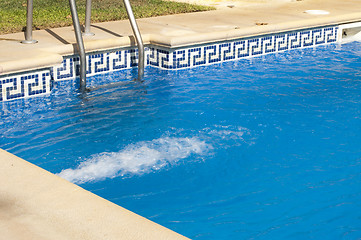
(265, 148)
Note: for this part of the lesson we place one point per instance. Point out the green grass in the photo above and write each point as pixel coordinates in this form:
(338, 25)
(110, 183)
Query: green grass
(56, 13)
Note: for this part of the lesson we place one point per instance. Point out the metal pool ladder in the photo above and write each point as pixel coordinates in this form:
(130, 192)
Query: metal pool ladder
(79, 37)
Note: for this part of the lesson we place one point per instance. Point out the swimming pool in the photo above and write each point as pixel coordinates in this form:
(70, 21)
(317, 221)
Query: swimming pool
(264, 148)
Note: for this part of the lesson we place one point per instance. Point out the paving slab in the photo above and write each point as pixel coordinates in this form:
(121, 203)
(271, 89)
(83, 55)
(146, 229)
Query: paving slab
(37, 205)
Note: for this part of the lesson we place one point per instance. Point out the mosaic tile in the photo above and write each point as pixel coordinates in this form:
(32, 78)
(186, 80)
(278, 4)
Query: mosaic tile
(25, 85)
(226, 51)
(199, 55)
(31, 84)
(97, 63)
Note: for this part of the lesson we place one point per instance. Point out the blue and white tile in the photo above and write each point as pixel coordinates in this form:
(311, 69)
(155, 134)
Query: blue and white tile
(66, 70)
(331, 34)
(242, 49)
(119, 60)
(226, 51)
(25, 85)
(97, 63)
(198, 55)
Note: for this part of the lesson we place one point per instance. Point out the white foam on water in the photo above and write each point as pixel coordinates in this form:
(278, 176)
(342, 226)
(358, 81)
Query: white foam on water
(136, 158)
(229, 132)
(229, 136)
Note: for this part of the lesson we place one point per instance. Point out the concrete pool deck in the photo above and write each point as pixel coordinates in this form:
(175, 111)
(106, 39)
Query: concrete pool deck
(35, 204)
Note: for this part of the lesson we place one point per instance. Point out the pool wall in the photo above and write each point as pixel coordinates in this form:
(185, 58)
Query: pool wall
(39, 82)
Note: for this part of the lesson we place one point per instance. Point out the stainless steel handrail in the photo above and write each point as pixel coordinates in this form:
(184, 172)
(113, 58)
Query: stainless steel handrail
(88, 10)
(138, 38)
(80, 43)
(135, 29)
(79, 38)
(29, 24)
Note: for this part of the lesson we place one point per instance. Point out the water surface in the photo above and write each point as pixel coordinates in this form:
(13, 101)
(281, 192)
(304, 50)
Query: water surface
(265, 148)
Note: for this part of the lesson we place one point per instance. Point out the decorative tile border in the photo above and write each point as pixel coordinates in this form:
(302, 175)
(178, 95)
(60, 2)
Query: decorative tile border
(39, 83)
(25, 85)
(227, 51)
(97, 63)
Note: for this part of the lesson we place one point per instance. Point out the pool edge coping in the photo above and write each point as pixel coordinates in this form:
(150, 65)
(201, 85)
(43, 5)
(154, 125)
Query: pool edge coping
(40, 205)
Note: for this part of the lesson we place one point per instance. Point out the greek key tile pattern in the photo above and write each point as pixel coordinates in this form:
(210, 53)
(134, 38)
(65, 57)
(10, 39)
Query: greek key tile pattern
(97, 64)
(25, 85)
(39, 83)
(220, 52)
